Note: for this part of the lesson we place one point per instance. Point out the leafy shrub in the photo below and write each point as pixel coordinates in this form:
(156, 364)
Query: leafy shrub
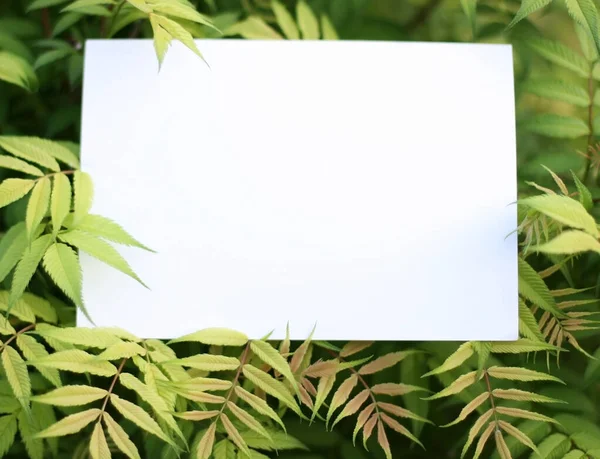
(77, 392)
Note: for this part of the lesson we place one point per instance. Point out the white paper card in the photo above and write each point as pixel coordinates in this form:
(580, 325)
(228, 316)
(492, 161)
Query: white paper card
(364, 187)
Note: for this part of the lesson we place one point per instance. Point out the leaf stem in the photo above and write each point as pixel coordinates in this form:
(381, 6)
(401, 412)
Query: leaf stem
(112, 385)
(67, 172)
(114, 15)
(16, 335)
(236, 378)
(489, 388)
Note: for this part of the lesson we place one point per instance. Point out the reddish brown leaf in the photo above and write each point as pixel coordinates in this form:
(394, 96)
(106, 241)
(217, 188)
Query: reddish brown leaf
(384, 362)
(354, 347)
(353, 406)
(368, 430)
(383, 441)
(391, 422)
(362, 419)
(322, 368)
(395, 389)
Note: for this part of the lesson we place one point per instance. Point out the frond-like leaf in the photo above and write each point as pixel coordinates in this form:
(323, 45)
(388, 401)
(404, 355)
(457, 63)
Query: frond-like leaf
(353, 406)
(13, 189)
(209, 362)
(384, 362)
(476, 429)
(285, 21)
(216, 337)
(75, 395)
(71, 424)
(32, 350)
(258, 404)
(525, 414)
(61, 201)
(395, 425)
(32, 149)
(62, 264)
(120, 437)
(307, 21)
(273, 358)
(16, 373)
(456, 359)
(470, 407)
(569, 242)
(83, 195)
(342, 394)
(234, 434)
(271, 386)
(76, 361)
(520, 374)
(37, 206)
(107, 229)
(98, 446)
(205, 447)
(457, 386)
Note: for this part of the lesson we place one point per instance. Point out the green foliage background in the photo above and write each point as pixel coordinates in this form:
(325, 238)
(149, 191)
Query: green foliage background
(67, 392)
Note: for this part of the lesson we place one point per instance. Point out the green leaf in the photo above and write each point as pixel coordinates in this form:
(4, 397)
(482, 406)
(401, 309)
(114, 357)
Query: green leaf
(226, 450)
(12, 246)
(533, 288)
(71, 424)
(65, 22)
(37, 206)
(76, 361)
(558, 90)
(17, 71)
(75, 395)
(181, 10)
(40, 307)
(461, 383)
(8, 430)
(456, 359)
(585, 197)
(17, 375)
(35, 448)
(39, 4)
(253, 27)
(19, 309)
(557, 126)
(528, 325)
(8, 162)
(107, 229)
(12, 190)
(285, 20)
(258, 404)
(470, 9)
(307, 21)
(61, 201)
(520, 374)
(122, 350)
(81, 336)
(120, 437)
(271, 386)
(585, 14)
(569, 242)
(178, 33)
(100, 250)
(327, 28)
(162, 40)
(209, 362)
(248, 420)
(51, 56)
(274, 359)
(32, 350)
(520, 346)
(560, 54)
(34, 149)
(5, 327)
(215, 337)
(98, 446)
(83, 190)
(323, 390)
(139, 417)
(564, 210)
(27, 266)
(62, 264)
(528, 7)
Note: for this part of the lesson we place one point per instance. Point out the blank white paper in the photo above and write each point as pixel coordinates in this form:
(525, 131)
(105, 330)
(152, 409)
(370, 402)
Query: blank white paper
(365, 187)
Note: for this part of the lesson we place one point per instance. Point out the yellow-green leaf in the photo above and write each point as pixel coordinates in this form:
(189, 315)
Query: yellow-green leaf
(122, 350)
(76, 395)
(520, 374)
(71, 424)
(469, 408)
(120, 437)
(197, 415)
(523, 396)
(32, 149)
(98, 446)
(16, 373)
(483, 439)
(476, 429)
(353, 406)
(457, 386)
(234, 434)
(254, 27)
(61, 201)
(564, 210)
(38, 205)
(258, 404)
(568, 243)
(248, 420)
(527, 7)
(81, 336)
(209, 362)
(327, 29)
(205, 446)
(32, 350)
(271, 386)
(216, 337)
(456, 359)
(17, 71)
(8, 162)
(76, 361)
(342, 394)
(83, 191)
(309, 25)
(107, 229)
(285, 20)
(62, 264)
(273, 358)
(162, 40)
(13, 189)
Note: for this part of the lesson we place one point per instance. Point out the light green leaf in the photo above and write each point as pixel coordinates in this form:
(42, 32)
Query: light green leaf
(253, 27)
(560, 54)
(65, 22)
(323, 389)
(107, 229)
(520, 374)
(98, 446)
(569, 242)
(75, 395)
(520, 346)
(62, 264)
(271, 386)
(16, 164)
(39, 4)
(528, 7)
(181, 10)
(205, 447)
(13, 189)
(5, 327)
(32, 350)
(216, 337)
(327, 28)
(226, 450)
(27, 266)
(40, 307)
(12, 246)
(162, 40)
(456, 359)
(8, 430)
(35, 448)
(528, 325)
(20, 309)
(120, 437)
(39, 151)
(533, 288)
(285, 20)
(17, 375)
(209, 362)
(557, 126)
(78, 4)
(178, 33)
(585, 14)
(564, 210)
(71, 424)
(234, 434)
(83, 196)
(37, 206)
(274, 359)
(307, 21)
(100, 250)
(558, 90)
(258, 404)
(76, 361)
(470, 9)
(248, 420)
(139, 417)
(61, 201)
(461, 383)
(17, 71)
(92, 10)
